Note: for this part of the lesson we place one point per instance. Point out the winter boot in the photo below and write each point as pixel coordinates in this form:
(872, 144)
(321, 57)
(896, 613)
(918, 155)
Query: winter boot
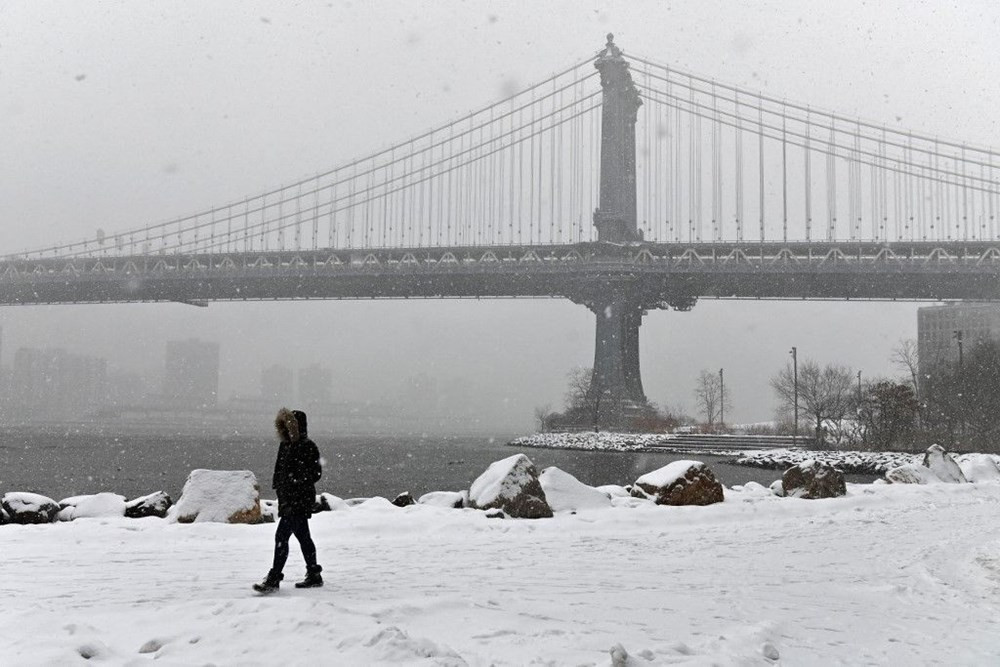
(270, 583)
(313, 578)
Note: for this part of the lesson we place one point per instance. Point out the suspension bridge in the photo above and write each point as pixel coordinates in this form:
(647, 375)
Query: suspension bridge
(619, 183)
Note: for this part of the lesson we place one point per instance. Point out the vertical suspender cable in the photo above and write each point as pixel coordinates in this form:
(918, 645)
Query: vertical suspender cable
(807, 157)
(760, 165)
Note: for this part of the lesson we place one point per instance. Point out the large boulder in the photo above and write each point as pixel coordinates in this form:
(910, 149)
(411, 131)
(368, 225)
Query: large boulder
(452, 499)
(27, 508)
(680, 483)
(91, 507)
(155, 504)
(911, 473)
(941, 463)
(566, 493)
(511, 485)
(224, 496)
(980, 468)
(812, 479)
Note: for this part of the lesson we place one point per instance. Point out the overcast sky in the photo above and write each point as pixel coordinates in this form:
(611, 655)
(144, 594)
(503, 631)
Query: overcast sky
(113, 114)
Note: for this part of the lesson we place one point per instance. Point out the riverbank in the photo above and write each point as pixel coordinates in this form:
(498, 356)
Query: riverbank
(754, 580)
(849, 462)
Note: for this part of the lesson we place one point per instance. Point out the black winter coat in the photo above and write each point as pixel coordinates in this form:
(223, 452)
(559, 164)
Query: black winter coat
(296, 472)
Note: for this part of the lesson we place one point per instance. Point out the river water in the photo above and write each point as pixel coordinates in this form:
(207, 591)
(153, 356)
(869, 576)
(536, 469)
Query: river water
(63, 461)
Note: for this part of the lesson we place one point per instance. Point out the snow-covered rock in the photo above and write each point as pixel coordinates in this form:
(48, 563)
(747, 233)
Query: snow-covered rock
(452, 499)
(512, 485)
(614, 491)
(943, 466)
(912, 473)
(405, 499)
(327, 502)
(268, 510)
(777, 488)
(812, 479)
(91, 506)
(752, 488)
(980, 468)
(4, 518)
(22, 507)
(155, 504)
(566, 493)
(680, 483)
(226, 496)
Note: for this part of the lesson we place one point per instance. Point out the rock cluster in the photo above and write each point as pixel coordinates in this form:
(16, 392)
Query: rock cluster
(939, 466)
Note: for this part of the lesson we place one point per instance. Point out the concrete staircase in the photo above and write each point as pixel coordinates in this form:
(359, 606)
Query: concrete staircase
(725, 441)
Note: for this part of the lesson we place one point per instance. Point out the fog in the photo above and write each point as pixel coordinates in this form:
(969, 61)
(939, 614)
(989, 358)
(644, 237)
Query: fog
(117, 114)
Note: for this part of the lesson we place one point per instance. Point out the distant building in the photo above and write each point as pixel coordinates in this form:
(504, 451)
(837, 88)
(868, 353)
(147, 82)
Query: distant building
(316, 386)
(939, 329)
(56, 384)
(191, 380)
(277, 385)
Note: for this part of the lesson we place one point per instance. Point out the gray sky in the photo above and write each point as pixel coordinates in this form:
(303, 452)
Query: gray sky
(113, 114)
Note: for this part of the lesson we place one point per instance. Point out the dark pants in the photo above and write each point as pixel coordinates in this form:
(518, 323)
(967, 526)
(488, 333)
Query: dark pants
(297, 525)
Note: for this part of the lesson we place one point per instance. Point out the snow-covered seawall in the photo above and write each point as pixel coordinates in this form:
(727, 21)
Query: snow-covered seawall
(612, 442)
(851, 462)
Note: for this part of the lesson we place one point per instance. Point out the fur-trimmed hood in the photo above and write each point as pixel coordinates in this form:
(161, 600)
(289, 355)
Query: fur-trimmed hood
(287, 425)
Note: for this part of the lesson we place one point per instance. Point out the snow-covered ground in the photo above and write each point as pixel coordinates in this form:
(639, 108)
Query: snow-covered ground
(889, 574)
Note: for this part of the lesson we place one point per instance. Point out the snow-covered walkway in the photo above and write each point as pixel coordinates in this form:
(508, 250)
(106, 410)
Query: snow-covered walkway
(900, 575)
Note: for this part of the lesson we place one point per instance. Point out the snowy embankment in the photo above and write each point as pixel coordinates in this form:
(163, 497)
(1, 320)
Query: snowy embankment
(603, 441)
(850, 462)
(888, 574)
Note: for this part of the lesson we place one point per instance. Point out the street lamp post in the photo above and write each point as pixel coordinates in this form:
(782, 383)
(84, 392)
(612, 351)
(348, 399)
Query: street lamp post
(859, 390)
(722, 399)
(957, 335)
(795, 384)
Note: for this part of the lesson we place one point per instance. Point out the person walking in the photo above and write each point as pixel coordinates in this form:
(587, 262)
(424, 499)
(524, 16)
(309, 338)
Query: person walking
(296, 471)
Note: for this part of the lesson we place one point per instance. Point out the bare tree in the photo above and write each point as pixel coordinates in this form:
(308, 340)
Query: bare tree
(825, 393)
(578, 388)
(905, 357)
(543, 414)
(709, 398)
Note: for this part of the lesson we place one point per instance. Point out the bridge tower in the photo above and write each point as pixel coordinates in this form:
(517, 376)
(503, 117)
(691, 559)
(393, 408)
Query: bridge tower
(616, 392)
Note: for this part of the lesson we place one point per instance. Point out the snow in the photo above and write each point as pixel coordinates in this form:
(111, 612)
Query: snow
(859, 579)
(451, 499)
(217, 495)
(912, 473)
(93, 506)
(668, 474)
(566, 493)
(980, 468)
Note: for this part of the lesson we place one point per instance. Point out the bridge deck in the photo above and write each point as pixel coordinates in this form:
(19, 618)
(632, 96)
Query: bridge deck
(660, 273)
